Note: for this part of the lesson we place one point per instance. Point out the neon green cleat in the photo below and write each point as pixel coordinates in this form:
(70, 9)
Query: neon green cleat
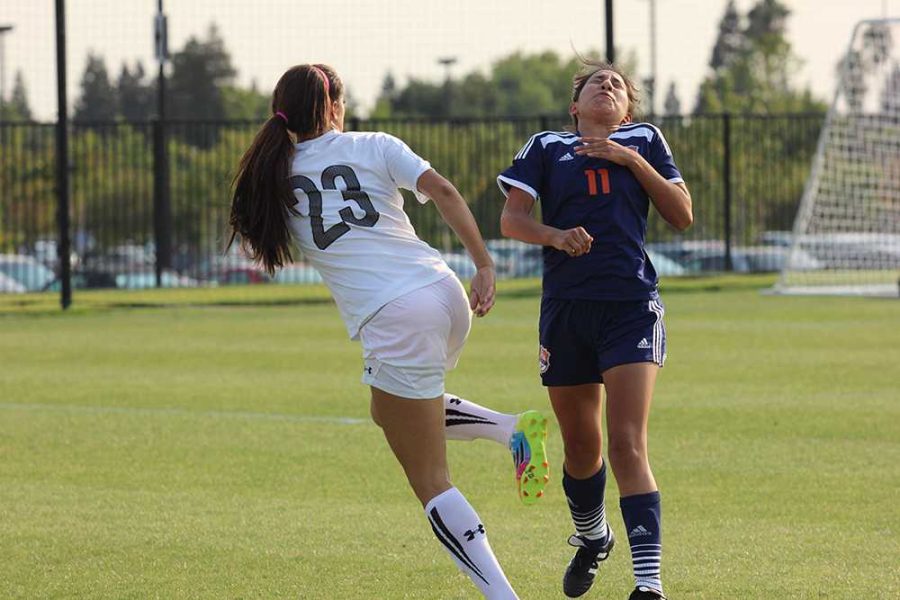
(528, 445)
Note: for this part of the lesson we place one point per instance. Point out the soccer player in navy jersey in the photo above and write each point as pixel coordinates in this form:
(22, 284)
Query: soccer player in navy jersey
(601, 319)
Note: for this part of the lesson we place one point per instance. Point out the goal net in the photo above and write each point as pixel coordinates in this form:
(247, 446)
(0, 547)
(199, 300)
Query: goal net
(846, 236)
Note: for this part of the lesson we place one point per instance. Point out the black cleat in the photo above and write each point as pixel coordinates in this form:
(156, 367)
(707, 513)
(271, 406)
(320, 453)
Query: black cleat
(582, 569)
(645, 593)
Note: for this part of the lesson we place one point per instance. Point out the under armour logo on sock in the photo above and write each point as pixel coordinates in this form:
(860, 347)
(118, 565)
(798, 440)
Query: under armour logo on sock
(470, 533)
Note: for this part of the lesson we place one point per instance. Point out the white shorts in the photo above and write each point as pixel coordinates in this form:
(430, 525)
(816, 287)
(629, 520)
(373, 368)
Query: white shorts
(412, 341)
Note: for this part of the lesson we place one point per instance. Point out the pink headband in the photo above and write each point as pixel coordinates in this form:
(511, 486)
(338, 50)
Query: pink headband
(324, 77)
(283, 116)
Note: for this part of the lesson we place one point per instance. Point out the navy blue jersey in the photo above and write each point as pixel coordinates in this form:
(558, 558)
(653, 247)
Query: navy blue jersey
(604, 198)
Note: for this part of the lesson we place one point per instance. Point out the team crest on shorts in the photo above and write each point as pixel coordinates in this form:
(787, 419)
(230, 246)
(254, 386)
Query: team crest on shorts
(543, 360)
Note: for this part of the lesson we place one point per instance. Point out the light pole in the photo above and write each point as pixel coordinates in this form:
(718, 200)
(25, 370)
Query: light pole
(162, 209)
(4, 29)
(652, 80)
(610, 37)
(447, 62)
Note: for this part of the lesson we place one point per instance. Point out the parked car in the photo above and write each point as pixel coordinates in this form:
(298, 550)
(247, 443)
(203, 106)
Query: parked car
(776, 238)
(217, 267)
(297, 273)
(86, 279)
(665, 266)
(243, 276)
(8, 285)
(47, 252)
(27, 271)
(142, 280)
(854, 250)
(751, 259)
(514, 258)
(131, 255)
(82, 280)
(682, 250)
(461, 264)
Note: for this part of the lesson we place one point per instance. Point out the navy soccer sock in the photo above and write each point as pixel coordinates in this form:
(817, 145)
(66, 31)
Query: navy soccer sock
(643, 522)
(585, 497)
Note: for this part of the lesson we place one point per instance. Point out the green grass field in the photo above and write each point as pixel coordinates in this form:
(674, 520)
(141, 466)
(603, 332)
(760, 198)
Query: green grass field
(216, 444)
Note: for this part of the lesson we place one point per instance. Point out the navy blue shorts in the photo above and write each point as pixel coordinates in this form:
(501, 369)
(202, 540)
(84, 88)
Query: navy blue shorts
(580, 339)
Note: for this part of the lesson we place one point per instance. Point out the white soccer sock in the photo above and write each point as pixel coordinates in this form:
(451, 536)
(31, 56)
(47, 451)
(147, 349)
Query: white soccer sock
(468, 421)
(458, 527)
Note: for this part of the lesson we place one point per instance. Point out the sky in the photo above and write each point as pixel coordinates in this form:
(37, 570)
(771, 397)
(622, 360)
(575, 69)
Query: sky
(365, 39)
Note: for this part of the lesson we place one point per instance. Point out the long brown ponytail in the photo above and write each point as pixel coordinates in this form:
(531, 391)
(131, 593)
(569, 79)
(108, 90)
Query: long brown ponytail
(262, 199)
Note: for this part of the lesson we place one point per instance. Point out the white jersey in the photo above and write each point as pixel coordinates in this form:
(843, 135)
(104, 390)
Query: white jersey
(351, 224)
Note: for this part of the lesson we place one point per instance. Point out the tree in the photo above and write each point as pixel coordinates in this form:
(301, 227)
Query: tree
(767, 21)
(418, 99)
(850, 73)
(17, 108)
(200, 71)
(239, 103)
(672, 105)
(135, 95)
(855, 68)
(890, 95)
(533, 84)
(516, 85)
(730, 40)
(754, 73)
(772, 60)
(388, 95)
(351, 104)
(97, 101)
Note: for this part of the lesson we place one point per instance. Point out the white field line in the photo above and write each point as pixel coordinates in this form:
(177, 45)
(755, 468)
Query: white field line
(180, 412)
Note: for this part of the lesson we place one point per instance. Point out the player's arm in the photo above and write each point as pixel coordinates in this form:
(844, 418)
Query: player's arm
(672, 200)
(456, 214)
(517, 222)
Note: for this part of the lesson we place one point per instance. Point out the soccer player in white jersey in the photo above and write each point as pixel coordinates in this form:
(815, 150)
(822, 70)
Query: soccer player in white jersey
(336, 195)
(601, 319)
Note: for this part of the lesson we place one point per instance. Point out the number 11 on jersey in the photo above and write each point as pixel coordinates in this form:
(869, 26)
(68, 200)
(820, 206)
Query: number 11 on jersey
(591, 175)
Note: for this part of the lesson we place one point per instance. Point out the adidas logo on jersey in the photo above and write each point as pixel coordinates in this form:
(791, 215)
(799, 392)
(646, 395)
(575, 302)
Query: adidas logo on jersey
(565, 157)
(639, 531)
(643, 343)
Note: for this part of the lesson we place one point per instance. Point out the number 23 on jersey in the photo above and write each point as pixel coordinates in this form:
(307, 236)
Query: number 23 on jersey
(353, 193)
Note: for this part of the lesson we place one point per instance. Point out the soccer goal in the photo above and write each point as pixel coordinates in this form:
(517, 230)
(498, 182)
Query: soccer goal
(848, 222)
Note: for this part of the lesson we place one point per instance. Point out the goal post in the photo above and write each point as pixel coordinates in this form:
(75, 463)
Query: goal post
(846, 235)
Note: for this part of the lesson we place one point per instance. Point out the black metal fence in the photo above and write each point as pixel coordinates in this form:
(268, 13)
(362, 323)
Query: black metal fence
(149, 202)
